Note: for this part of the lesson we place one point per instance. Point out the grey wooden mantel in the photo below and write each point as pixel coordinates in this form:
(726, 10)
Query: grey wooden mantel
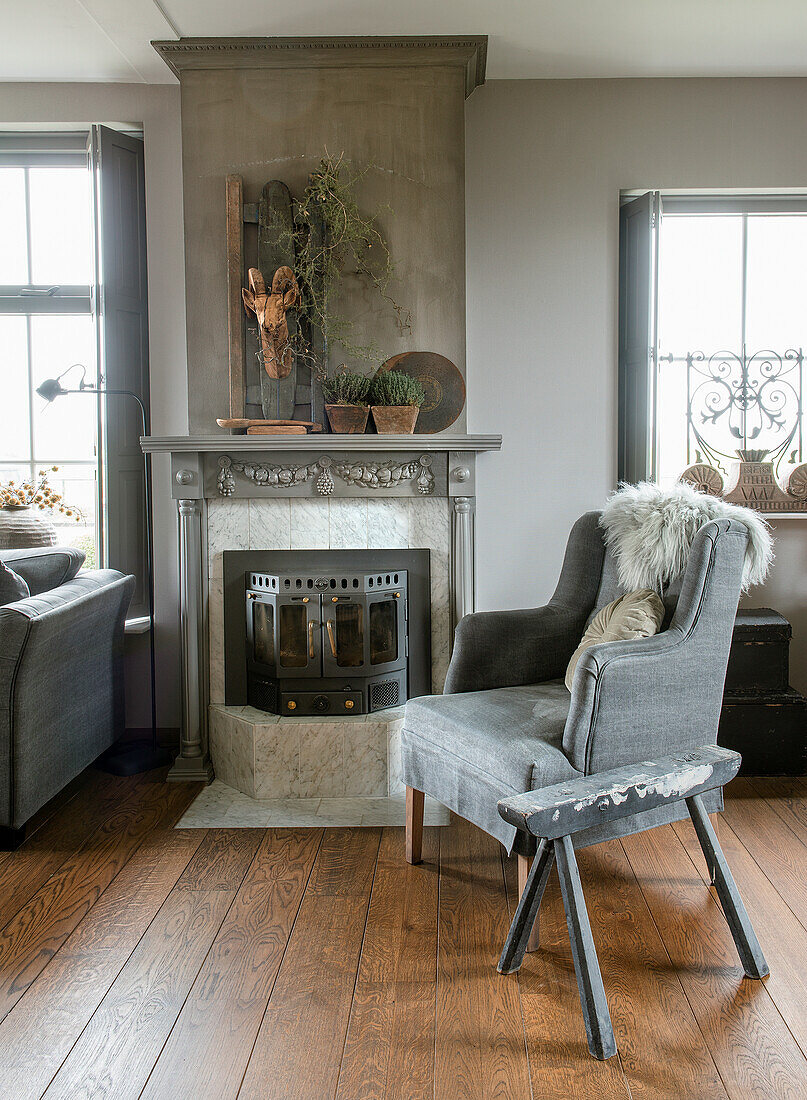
(370, 466)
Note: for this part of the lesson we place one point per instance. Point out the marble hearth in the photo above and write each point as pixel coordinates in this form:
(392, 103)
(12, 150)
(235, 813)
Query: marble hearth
(239, 493)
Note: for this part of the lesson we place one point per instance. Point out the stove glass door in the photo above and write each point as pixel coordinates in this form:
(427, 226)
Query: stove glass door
(344, 627)
(298, 637)
(383, 632)
(263, 633)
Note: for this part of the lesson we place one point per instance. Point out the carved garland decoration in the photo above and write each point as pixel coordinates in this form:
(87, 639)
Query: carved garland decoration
(369, 475)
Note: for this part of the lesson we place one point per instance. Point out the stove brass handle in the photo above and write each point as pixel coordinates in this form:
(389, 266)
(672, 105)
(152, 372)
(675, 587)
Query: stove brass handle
(331, 637)
(311, 638)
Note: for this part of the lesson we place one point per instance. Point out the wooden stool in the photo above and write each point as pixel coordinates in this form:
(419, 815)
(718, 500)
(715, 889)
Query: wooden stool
(555, 814)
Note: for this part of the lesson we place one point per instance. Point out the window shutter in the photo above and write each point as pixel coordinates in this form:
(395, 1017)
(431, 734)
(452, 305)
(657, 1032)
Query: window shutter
(638, 234)
(123, 349)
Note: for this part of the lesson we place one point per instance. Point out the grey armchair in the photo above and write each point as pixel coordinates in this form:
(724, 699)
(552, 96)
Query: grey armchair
(61, 677)
(506, 723)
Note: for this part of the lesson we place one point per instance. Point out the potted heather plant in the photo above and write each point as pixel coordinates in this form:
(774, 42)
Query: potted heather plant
(346, 401)
(395, 399)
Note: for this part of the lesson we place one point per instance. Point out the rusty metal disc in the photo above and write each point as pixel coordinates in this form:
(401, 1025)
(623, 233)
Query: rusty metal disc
(443, 383)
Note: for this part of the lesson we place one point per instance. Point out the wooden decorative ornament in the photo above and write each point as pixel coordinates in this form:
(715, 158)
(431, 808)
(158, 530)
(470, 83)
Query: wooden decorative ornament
(270, 310)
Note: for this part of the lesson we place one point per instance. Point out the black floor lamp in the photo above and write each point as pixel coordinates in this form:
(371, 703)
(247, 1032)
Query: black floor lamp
(131, 757)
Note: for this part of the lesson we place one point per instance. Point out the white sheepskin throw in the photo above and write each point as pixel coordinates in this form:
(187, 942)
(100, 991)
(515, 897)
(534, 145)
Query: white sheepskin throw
(649, 530)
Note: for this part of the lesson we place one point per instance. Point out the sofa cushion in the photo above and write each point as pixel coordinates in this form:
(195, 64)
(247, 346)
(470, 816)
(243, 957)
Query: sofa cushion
(12, 586)
(469, 750)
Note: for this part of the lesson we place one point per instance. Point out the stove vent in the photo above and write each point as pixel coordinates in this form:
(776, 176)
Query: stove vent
(384, 694)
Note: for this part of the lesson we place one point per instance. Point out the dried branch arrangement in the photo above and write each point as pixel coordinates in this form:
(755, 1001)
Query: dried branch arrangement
(331, 240)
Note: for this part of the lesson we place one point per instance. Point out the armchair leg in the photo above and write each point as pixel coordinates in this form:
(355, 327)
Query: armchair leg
(524, 925)
(599, 1030)
(745, 940)
(525, 863)
(414, 824)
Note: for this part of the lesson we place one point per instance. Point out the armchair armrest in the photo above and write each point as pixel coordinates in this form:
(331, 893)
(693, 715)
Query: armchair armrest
(61, 686)
(505, 648)
(79, 601)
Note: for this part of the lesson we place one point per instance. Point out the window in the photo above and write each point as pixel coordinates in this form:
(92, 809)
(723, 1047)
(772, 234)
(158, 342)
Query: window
(73, 290)
(47, 323)
(712, 332)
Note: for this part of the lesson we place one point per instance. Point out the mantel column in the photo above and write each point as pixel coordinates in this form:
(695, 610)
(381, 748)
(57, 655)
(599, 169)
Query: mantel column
(193, 763)
(461, 489)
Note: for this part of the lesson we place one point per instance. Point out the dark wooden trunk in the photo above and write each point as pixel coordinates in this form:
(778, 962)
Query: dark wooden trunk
(760, 649)
(763, 718)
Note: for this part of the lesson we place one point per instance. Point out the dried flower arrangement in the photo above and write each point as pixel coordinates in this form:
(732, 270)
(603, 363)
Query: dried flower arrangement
(331, 240)
(36, 494)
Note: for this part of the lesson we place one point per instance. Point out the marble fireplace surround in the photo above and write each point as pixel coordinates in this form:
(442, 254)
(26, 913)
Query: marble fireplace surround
(327, 492)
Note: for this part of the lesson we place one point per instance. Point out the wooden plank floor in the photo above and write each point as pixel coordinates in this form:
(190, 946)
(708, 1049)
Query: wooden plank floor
(141, 960)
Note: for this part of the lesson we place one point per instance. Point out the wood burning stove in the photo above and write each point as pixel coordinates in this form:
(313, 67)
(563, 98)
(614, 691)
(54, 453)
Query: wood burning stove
(326, 643)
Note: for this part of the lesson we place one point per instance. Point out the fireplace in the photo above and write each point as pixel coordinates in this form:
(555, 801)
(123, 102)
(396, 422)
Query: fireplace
(326, 634)
(326, 643)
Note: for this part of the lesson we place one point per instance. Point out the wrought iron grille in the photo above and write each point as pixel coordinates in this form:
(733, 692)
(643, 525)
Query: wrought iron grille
(743, 402)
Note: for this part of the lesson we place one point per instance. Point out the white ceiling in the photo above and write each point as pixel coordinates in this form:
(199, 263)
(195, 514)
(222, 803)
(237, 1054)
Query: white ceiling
(109, 39)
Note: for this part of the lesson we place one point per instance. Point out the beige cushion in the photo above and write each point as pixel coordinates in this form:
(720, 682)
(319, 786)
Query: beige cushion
(634, 615)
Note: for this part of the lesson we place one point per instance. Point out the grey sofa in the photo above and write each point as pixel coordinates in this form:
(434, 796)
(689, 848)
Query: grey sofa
(507, 724)
(61, 677)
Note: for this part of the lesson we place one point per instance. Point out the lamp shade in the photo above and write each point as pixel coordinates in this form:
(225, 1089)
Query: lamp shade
(50, 389)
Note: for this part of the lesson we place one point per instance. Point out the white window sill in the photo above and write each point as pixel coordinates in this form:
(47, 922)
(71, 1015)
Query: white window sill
(140, 625)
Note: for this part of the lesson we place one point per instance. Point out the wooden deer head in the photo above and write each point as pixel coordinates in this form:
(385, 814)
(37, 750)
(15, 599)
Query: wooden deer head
(270, 310)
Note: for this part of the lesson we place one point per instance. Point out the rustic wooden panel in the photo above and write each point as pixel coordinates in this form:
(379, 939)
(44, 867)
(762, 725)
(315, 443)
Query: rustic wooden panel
(224, 1009)
(310, 1004)
(783, 938)
(389, 1052)
(550, 1005)
(38, 930)
(756, 1055)
(661, 1047)
(234, 197)
(38, 1033)
(481, 1049)
(276, 249)
(117, 1051)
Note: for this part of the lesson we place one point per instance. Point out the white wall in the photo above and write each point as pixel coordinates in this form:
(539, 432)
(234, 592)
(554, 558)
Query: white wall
(156, 107)
(545, 162)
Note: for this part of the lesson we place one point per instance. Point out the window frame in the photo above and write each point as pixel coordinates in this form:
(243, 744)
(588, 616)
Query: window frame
(692, 203)
(29, 300)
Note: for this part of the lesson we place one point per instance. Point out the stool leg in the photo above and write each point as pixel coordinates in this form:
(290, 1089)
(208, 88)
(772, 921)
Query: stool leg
(601, 1041)
(745, 940)
(524, 863)
(527, 910)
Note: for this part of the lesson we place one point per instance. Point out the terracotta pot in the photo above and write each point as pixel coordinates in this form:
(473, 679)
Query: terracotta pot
(395, 419)
(348, 419)
(21, 528)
